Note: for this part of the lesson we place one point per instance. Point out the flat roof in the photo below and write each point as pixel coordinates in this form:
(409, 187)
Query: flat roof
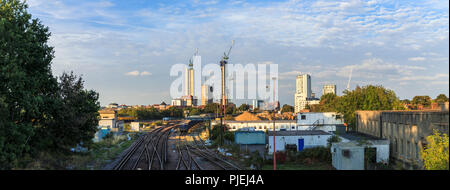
(298, 133)
(262, 121)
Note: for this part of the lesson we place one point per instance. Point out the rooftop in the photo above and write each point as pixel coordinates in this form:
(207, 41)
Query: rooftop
(298, 133)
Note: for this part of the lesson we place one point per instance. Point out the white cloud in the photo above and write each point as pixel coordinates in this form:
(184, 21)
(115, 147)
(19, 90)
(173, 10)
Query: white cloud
(416, 58)
(145, 73)
(137, 73)
(132, 73)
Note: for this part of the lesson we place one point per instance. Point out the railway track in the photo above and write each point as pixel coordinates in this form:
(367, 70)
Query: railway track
(149, 152)
(212, 158)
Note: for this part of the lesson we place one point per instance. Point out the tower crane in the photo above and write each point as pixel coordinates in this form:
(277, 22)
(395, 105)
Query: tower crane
(349, 79)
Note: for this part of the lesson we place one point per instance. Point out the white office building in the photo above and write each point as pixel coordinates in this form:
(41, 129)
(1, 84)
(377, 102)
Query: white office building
(330, 88)
(303, 94)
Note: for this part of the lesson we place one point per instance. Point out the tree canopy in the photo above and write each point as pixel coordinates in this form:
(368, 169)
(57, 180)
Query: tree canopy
(425, 101)
(37, 113)
(287, 108)
(441, 98)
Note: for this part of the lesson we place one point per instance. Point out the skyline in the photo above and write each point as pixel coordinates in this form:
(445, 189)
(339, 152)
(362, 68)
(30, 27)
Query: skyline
(124, 50)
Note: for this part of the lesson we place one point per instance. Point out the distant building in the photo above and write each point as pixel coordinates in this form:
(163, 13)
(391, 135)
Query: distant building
(207, 96)
(331, 88)
(108, 119)
(297, 140)
(257, 103)
(135, 126)
(303, 95)
(112, 105)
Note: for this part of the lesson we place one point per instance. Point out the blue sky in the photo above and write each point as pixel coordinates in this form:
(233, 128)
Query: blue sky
(124, 49)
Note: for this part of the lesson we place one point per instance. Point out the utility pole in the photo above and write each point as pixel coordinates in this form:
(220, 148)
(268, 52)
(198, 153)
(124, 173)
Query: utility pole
(274, 133)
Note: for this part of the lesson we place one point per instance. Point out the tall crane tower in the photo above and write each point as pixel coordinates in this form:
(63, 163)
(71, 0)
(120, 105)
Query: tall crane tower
(223, 63)
(349, 79)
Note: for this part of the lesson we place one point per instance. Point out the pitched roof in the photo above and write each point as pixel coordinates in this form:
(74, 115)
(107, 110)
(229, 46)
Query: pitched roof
(247, 116)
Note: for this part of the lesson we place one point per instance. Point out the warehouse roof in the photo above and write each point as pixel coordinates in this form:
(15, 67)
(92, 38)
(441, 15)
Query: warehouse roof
(298, 133)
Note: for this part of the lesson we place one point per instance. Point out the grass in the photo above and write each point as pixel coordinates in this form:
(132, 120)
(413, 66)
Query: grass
(97, 157)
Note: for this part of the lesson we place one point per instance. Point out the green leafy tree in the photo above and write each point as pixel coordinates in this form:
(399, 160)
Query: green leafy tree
(27, 86)
(287, 108)
(328, 102)
(74, 116)
(435, 155)
(230, 109)
(211, 108)
(36, 112)
(244, 107)
(422, 100)
(195, 111)
(441, 98)
(366, 98)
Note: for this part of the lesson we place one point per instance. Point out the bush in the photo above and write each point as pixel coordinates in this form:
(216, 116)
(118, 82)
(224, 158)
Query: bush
(321, 154)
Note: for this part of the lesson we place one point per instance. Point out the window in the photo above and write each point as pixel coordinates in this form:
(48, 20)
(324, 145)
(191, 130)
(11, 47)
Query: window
(303, 117)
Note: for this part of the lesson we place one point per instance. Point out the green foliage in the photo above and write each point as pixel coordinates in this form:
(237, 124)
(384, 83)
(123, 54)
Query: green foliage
(36, 112)
(244, 107)
(230, 109)
(26, 82)
(321, 154)
(287, 108)
(195, 111)
(151, 113)
(441, 98)
(422, 100)
(333, 139)
(366, 98)
(435, 155)
(74, 116)
(219, 134)
(211, 108)
(328, 102)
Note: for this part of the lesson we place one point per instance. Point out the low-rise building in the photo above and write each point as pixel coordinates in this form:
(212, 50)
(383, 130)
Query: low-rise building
(135, 126)
(297, 140)
(405, 130)
(326, 121)
(108, 119)
(250, 137)
(351, 155)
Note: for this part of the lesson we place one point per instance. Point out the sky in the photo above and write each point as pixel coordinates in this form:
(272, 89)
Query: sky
(124, 49)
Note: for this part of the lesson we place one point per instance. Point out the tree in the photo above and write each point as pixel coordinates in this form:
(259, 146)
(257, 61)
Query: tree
(287, 108)
(441, 98)
(244, 107)
(366, 98)
(37, 113)
(425, 101)
(211, 108)
(435, 155)
(230, 109)
(27, 86)
(328, 102)
(195, 111)
(74, 117)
